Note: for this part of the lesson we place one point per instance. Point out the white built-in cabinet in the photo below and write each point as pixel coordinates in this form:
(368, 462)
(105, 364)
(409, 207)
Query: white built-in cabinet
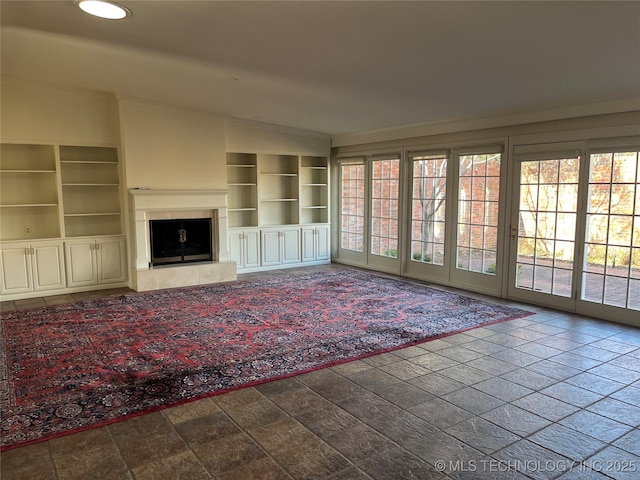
(315, 243)
(244, 247)
(280, 246)
(52, 198)
(95, 261)
(31, 267)
(274, 199)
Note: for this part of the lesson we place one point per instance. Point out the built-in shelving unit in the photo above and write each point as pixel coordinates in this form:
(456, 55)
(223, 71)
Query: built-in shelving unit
(272, 189)
(60, 219)
(242, 179)
(278, 209)
(91, 191)
(314, 185)
(278, 189)
(28, 192)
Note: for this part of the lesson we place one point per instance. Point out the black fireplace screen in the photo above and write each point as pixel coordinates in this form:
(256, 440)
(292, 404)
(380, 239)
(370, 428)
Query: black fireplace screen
(180, 241)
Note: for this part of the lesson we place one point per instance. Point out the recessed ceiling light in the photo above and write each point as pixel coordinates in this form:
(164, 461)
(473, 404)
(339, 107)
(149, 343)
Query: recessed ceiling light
(103, 9)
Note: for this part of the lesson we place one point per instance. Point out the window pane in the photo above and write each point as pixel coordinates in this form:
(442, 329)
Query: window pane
(549, 171)
(624, 167)
(528, 197)
(569, 170)
(622, 197)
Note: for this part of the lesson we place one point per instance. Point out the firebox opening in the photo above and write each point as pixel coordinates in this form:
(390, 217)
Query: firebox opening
(180, 241)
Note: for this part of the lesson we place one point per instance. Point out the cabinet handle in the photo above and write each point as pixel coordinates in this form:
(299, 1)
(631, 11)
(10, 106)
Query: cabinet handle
(27, 251)
(33, 251)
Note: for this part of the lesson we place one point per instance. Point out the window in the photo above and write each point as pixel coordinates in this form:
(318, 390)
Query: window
(428, 203)
(478, 195)
(611, 265)
(352, 207)
(385, 189)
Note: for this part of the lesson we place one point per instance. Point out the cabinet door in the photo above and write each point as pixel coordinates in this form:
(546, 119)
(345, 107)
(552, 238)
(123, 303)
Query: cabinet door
(315, 244)
(271, 251)
(308, 244)
(110, 256)
(244, 248)
(236, 248)
(290, 245)
(323, 251)
(81, 264)
(16, 269)
(252, 248)
(48, 269)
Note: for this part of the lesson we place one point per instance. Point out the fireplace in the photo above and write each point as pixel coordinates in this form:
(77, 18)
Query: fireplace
(182, 240)
(200, 261)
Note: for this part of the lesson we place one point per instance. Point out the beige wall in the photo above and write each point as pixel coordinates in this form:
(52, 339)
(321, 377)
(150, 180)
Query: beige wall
(166, 147)
(252, 137)
(35, 113)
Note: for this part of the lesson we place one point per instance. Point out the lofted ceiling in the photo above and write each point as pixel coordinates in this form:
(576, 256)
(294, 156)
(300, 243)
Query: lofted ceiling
(335, 67)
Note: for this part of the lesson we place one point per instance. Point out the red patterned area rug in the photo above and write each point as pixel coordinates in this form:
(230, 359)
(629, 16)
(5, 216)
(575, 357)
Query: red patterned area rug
(71, 367)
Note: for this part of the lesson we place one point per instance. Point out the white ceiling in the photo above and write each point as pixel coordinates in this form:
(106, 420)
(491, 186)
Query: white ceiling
(335, 67)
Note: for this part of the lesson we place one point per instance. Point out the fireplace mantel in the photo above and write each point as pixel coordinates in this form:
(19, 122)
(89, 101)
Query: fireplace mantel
(149, 204)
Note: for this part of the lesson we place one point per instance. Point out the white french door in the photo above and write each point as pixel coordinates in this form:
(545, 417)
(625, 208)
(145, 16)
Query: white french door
(384, 213)
(575, 234)
(478, 213)
(353, 211)
(610, 267)
(544, 227)
(455, 217)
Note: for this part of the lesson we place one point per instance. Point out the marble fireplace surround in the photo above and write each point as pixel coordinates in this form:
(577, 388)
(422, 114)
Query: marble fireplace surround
(146, 205)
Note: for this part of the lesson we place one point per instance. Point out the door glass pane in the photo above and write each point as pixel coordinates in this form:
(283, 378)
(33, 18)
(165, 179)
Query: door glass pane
(478, 196)
(385, 188)
(352, 212)
(611, 268)
(428, 209)
(547, 225)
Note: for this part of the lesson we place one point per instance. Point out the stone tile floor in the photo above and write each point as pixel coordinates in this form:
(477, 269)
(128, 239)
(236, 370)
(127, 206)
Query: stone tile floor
(548, 396)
